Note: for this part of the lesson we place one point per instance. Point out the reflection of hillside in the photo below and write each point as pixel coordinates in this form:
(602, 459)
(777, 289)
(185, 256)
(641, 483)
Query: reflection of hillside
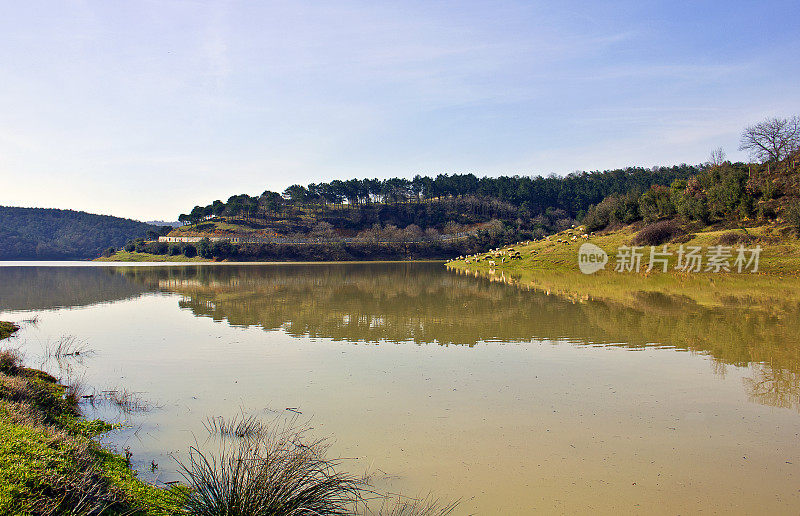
(423, 303)
(417, 302)
(762, 332)
(420, 303)
(41, 288)
(374, 302)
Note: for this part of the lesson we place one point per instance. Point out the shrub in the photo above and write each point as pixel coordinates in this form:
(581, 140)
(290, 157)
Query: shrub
(204, 249)
(189, 251)
(222, 249)
(734, 237)
(657, 233)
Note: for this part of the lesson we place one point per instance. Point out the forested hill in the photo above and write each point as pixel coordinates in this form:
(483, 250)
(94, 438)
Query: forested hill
(432, 202)
(51, 234)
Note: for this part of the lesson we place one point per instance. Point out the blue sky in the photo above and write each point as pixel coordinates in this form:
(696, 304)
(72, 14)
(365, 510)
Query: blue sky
(145, 108)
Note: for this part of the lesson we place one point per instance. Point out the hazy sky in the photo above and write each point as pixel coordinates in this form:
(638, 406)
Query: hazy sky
(145, 108)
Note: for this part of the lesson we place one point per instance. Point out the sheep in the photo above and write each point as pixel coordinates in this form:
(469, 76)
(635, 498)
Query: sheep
(492, 263)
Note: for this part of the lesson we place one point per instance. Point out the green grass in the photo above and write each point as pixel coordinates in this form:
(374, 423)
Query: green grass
(125, 256)
(7, 329)
(50, 462)
(553, 267)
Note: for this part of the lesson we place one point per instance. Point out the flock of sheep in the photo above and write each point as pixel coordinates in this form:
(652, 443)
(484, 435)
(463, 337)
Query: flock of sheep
(510, 253)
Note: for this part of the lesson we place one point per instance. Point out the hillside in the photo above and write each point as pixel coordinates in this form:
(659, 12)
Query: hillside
(535, 204)
(726, 206)
(558, 253)
(52, 234)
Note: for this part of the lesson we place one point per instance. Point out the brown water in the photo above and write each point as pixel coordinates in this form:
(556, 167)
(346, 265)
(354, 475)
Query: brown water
(513, 400)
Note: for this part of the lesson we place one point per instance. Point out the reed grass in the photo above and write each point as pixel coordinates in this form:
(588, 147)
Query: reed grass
(268, 470)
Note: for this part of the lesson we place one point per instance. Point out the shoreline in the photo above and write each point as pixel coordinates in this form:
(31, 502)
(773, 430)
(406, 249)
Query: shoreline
(552, 267)
(50, 459)
(111, 263)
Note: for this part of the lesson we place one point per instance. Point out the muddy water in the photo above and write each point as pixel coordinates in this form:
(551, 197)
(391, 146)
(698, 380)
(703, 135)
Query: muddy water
(510, 399)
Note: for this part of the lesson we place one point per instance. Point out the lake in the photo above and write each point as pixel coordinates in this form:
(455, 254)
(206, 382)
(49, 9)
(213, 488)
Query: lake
(511, 398)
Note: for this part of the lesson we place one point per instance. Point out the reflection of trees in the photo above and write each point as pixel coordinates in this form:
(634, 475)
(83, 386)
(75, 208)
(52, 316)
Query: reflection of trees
(371, 302)
(41, 288)
(419, 302)
(772, 386)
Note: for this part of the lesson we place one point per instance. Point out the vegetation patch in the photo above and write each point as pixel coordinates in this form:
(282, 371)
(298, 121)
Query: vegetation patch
(49, 461)
(133, 256)
(7, 329)
(657, 233)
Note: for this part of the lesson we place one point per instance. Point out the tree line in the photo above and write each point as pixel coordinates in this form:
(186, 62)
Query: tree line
(767, 189)
(525, 196)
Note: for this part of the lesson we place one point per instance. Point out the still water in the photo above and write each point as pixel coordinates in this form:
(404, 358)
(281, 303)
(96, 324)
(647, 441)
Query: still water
(508, 398)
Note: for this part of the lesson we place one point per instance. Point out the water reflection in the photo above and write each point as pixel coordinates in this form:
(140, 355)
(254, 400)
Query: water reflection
(423, 303)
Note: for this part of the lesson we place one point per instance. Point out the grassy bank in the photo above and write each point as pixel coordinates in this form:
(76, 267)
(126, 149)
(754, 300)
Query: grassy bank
(125, 256)
(552, 266)
(7, 329)
(50, 462)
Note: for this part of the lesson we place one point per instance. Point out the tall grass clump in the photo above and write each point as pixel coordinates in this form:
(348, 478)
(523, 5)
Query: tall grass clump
(65, 346)
(270, 470)
(10, 361)
(403, 506)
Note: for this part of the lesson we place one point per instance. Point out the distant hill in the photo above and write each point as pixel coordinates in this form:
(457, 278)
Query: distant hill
(172, 224)
(51, 234)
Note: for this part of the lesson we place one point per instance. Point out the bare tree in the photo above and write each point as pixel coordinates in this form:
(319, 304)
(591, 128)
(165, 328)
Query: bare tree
(773, 139)
(717, 157)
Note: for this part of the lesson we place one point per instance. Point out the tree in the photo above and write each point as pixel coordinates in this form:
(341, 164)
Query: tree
(204, 249)
(771, 140)
(218, 208)
(717, 157)
(296, 193)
